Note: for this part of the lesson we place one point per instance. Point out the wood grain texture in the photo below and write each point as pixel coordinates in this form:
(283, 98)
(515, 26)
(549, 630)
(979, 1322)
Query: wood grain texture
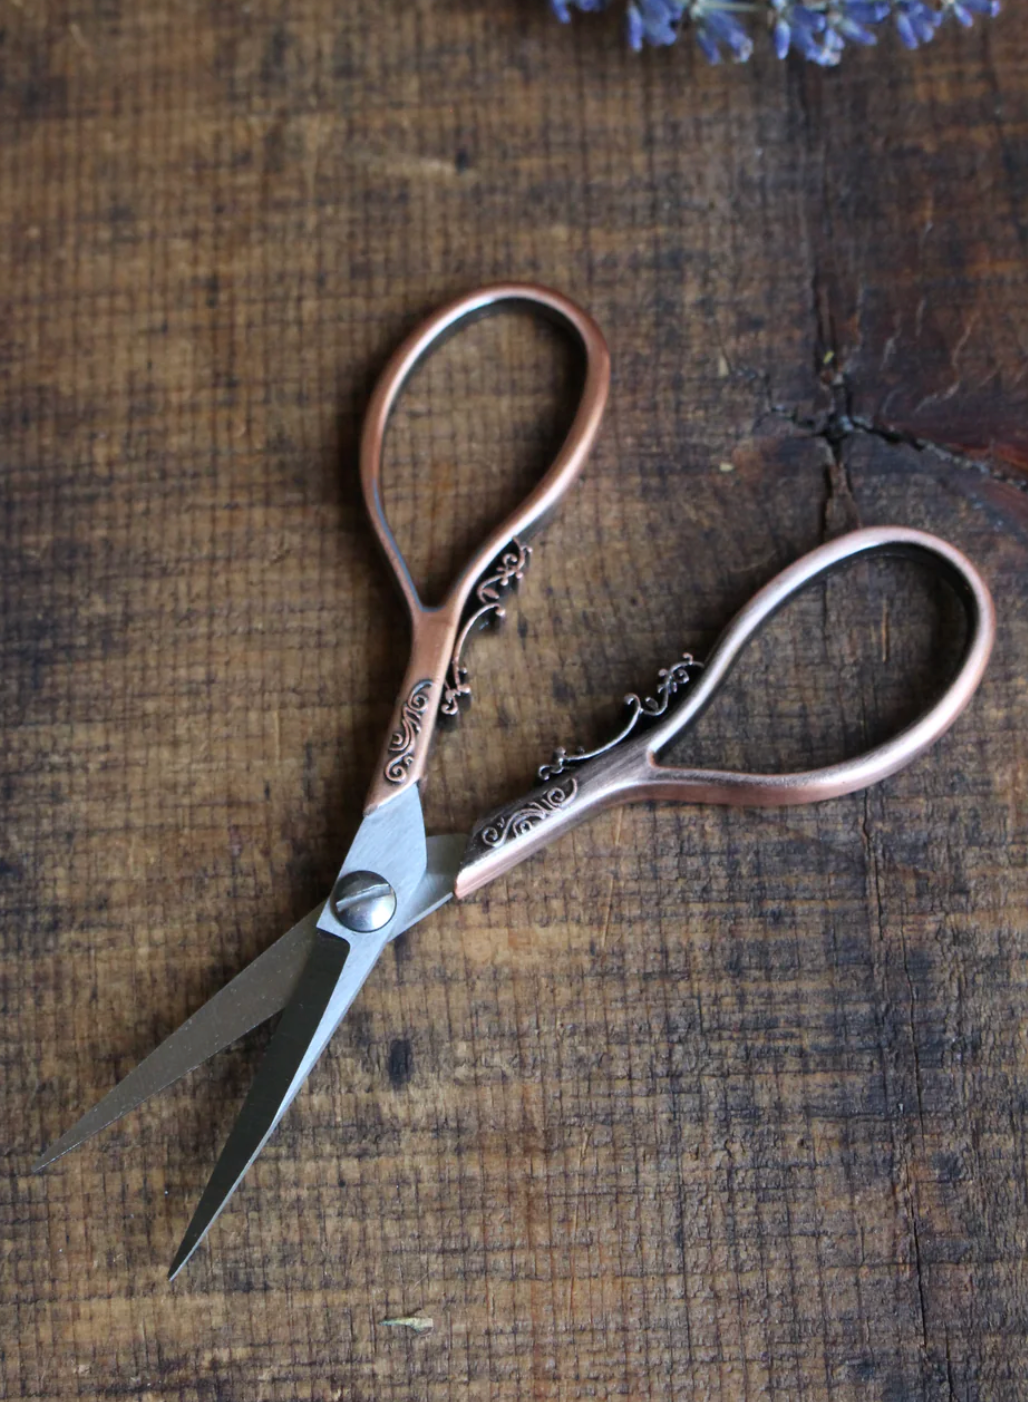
(699, 1104)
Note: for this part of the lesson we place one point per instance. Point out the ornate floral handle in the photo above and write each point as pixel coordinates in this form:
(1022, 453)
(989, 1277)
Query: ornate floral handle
(626, 770)
(436, 678)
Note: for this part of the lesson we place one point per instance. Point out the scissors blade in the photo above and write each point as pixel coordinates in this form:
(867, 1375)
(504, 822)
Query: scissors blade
(262, 989)
(334, 974)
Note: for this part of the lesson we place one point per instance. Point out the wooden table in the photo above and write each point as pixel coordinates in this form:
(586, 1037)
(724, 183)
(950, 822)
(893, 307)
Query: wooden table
(700, 1104)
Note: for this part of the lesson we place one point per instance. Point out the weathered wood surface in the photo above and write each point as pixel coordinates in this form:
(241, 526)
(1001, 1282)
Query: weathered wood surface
(698, 1104)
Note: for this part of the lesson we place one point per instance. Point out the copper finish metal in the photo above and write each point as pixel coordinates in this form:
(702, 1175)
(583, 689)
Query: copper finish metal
(434, 631)
(629, 772)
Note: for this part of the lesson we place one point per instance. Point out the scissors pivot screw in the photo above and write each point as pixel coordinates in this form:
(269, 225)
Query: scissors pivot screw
(363, 901)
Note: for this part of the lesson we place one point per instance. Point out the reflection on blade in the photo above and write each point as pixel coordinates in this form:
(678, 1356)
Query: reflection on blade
(262, 989)
(330, 982)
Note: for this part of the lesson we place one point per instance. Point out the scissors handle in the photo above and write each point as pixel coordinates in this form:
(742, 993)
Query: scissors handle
(576, 786)
(435, 676)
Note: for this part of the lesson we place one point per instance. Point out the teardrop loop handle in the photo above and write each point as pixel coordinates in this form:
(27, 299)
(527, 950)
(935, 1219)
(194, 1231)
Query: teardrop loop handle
(628, 771)
(545, 496)
(812, 786)
(436, 632)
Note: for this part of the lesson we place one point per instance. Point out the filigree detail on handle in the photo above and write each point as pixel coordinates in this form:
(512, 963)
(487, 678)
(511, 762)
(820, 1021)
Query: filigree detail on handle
(502, 576)
(404, 741)
(670, 680)
(513, 822)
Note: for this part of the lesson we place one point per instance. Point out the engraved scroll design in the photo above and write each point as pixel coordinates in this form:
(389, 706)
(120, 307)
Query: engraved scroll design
(404, 741)
(514, 822)
(502, 576)
(670, 680)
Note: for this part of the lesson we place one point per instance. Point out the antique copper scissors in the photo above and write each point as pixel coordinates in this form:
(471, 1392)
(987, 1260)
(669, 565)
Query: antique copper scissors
(394, 875)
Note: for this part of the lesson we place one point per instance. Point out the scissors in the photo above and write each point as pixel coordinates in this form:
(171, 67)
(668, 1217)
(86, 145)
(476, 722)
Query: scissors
(394, 875)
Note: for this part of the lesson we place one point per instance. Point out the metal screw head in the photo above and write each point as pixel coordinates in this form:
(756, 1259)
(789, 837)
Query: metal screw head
(363, 901)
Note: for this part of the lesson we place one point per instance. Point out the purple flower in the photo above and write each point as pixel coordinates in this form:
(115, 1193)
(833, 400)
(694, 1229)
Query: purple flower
(562, 8)
(716, 23)
(916, 22)
(819, 30)
(851, 19)
(797, 26)
(653, 22)
(964, 10)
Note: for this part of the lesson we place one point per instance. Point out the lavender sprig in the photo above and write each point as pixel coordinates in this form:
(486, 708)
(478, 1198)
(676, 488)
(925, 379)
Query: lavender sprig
(819, 30)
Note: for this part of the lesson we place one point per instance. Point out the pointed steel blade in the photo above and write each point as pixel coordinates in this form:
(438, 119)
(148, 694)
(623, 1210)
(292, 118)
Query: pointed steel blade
(260, 990)
(330, 982)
